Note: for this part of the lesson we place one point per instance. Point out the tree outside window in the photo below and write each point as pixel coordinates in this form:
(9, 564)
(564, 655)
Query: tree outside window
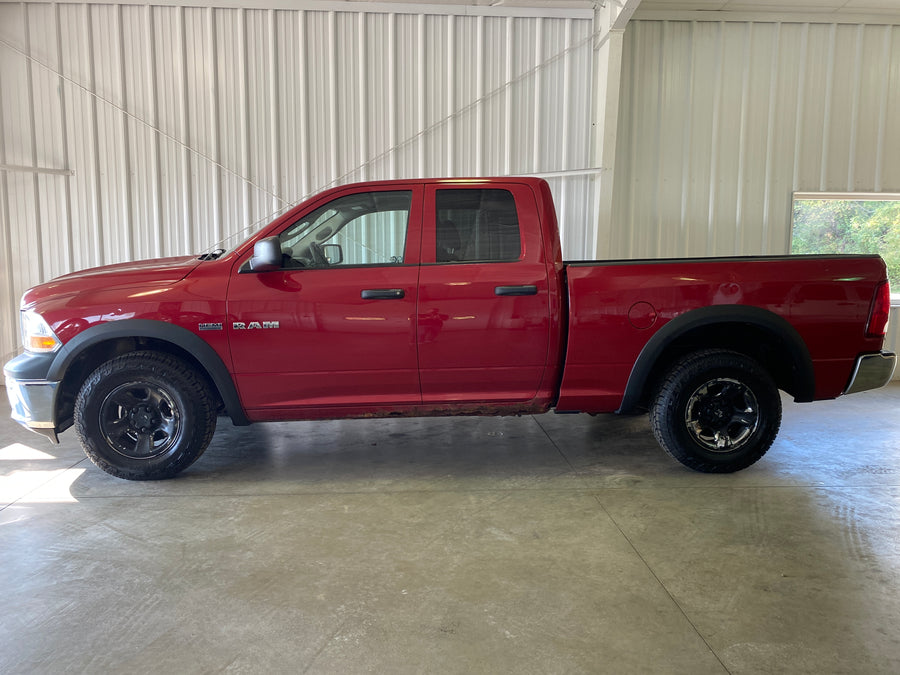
(849, 223)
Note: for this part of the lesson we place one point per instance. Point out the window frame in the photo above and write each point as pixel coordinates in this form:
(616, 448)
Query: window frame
(412, 237)
(530, 233)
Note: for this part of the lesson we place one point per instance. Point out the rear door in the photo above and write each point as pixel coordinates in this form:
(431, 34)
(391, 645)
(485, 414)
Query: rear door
(484, 309)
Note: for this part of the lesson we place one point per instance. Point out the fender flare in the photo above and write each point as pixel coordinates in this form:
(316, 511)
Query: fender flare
(206, 356)
(772, 323)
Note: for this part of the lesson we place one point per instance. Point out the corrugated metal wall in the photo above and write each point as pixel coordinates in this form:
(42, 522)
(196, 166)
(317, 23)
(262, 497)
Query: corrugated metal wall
(185, 125)
(720, 122)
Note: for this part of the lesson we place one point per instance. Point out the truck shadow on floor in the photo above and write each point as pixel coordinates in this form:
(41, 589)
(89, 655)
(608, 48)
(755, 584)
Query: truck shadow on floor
(356, 452)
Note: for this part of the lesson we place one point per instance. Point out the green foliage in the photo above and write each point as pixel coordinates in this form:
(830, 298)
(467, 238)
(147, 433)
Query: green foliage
(845, 226)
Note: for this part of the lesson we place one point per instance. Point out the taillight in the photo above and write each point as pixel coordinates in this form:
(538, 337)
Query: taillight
(881, 311)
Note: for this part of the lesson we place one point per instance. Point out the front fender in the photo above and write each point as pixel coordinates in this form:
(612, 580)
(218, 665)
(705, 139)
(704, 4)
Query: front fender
(207, 357)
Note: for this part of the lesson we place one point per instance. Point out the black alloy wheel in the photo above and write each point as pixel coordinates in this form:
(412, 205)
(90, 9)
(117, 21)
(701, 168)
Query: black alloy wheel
(716, 411)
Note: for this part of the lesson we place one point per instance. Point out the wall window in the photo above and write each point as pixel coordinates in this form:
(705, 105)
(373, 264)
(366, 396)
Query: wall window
(828, 222)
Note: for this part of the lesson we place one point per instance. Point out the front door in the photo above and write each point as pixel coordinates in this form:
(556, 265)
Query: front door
(335, 326)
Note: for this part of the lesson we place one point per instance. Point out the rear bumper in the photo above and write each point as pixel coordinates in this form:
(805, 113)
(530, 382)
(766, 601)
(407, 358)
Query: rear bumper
(871, 372)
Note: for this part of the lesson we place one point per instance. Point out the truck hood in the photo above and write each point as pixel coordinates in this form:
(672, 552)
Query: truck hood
(159, 272)
(141, 271)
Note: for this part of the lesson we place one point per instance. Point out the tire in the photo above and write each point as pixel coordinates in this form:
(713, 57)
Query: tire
(716, 411)
(144, 416)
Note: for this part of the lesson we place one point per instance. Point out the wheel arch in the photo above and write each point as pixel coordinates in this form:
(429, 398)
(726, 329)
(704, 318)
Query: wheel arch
(87, 350)
(753, 331)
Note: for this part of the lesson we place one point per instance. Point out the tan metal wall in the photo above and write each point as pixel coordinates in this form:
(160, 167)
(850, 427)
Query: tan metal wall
(720, 122)
(184, 125)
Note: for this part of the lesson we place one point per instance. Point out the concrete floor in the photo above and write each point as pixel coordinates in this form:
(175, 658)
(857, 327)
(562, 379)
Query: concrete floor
(554, 544)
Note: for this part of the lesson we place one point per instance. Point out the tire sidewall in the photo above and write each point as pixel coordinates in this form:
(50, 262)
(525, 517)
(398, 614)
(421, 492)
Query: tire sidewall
(156, 372)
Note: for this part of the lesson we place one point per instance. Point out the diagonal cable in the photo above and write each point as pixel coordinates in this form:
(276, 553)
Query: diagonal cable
(338, 180)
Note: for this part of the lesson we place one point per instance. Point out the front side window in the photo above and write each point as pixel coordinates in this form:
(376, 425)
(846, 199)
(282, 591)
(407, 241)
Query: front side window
(476, 226)
(367, 228)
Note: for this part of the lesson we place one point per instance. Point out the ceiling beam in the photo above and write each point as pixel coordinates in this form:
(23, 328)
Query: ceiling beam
(825, 16)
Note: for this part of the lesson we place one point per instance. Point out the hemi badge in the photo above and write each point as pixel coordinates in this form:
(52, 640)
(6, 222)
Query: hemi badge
(210, 326)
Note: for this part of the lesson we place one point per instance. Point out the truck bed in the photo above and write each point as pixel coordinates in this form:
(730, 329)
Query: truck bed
(623, 311)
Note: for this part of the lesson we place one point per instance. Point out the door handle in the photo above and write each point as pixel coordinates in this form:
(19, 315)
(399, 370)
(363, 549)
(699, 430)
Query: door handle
(383, 294)
(516, 290)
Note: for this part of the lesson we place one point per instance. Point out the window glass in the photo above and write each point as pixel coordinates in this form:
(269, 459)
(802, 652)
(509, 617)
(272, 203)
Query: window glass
(360, 229)
(849, 223)
(476, 225)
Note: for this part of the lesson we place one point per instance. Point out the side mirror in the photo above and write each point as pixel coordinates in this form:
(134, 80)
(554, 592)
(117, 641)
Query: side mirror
(266, 255)
(333, 253)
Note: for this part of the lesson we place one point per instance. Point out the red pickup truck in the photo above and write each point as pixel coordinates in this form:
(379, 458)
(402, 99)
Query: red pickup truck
(439, 297)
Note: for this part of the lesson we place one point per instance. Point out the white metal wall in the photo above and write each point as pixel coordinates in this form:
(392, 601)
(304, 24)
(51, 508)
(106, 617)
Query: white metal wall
(185, 125)
(720, 122)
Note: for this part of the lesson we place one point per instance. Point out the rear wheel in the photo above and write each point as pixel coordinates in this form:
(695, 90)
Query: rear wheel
(717, 411)
(144, 416)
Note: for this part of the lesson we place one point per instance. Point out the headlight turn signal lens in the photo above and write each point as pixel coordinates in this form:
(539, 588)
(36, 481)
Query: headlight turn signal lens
(37, 336)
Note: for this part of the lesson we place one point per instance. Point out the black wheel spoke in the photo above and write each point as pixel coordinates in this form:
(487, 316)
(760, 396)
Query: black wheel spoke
(144, 445)
(168, 427)
(726, 390)
(744, 418)
(157, 399)
(130, 398)
(140, 421)
(721, 414)
(118, 425)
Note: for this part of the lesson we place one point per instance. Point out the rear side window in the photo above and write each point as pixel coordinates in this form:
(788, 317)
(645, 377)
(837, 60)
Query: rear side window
(476, 226)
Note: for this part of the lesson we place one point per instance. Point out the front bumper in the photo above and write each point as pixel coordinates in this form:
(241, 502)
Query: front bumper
(871, 372)
(31, 396)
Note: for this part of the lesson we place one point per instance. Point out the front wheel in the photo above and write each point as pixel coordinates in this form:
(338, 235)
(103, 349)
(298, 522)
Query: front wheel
(717, 411)
(144, 416)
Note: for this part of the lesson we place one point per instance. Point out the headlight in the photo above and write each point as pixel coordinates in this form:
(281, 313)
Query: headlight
(37, 336)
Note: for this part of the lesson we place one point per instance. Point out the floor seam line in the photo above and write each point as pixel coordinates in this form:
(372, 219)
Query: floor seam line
(562, 454)
(662, 585)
